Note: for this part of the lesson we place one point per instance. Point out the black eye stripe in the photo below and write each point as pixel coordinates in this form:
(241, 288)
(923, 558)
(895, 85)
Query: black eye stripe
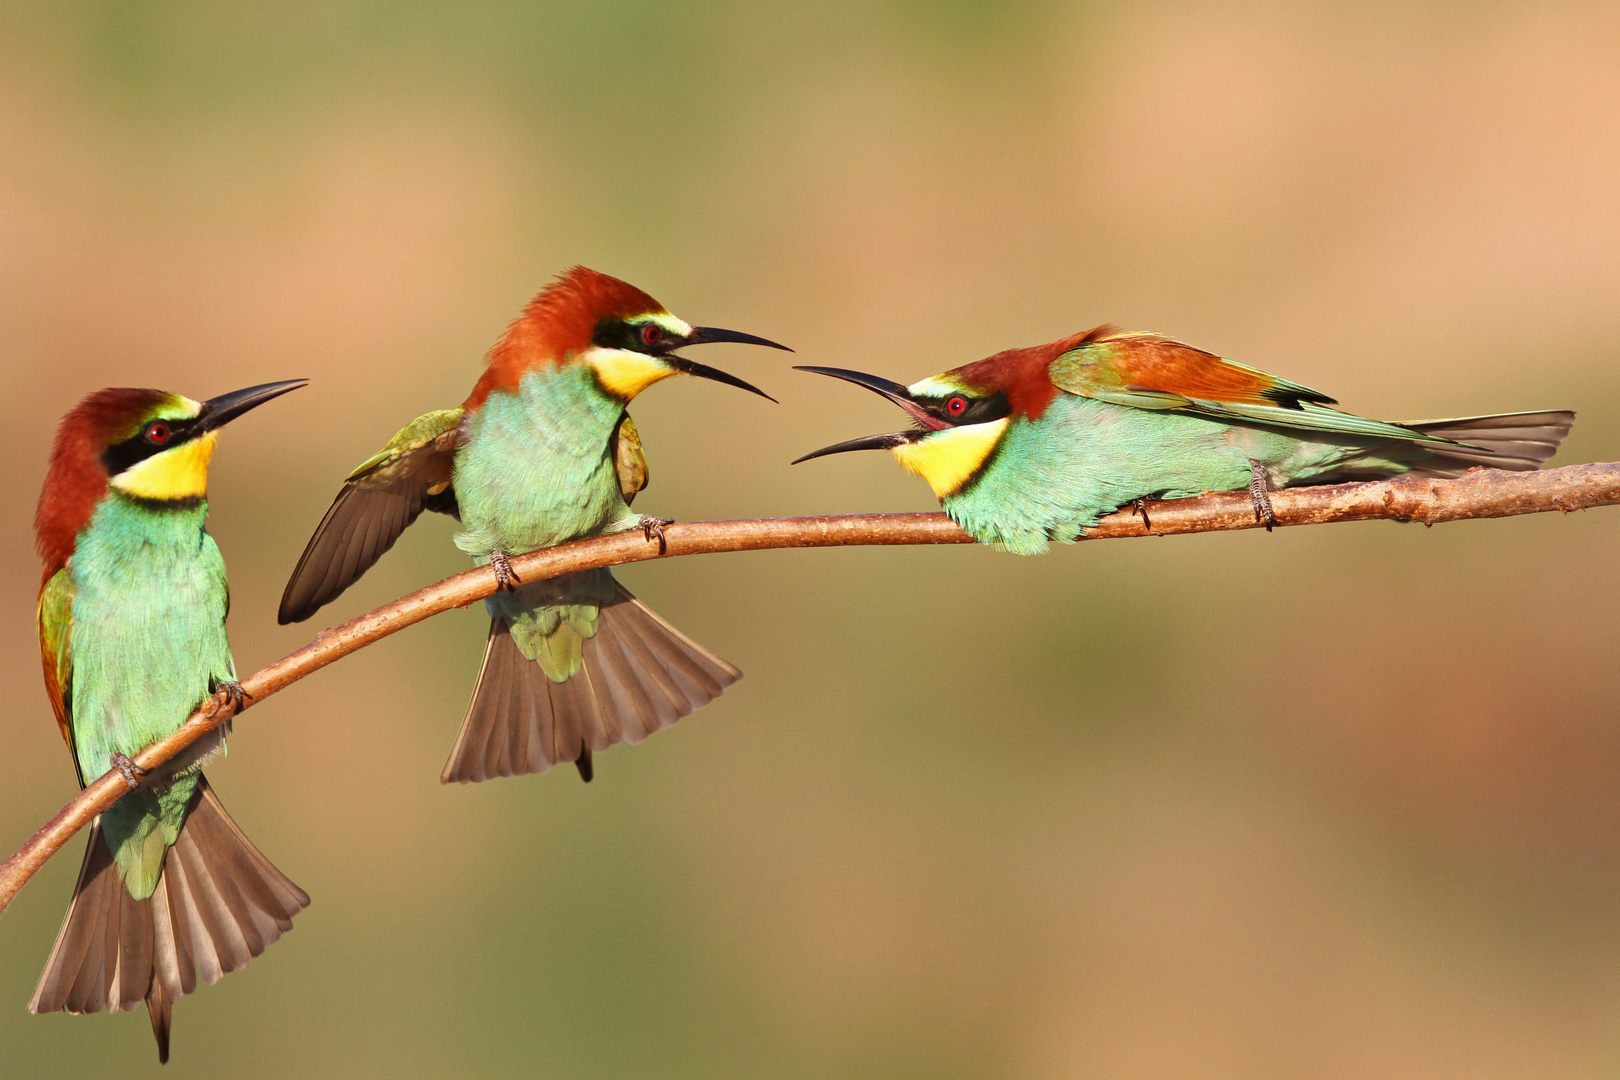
(140, 446)
(642, 337)
(960, 409)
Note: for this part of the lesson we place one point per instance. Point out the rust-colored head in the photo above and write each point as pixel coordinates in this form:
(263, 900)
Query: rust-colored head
(78, 478)
(557, 325)
(961, 415)
(155, 445)
(588, 317)
(1023, 375)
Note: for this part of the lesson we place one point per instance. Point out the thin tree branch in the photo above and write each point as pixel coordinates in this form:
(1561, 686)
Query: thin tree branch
(1481, 493)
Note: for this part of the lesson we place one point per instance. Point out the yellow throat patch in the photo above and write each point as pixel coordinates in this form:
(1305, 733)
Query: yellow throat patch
(947, 459)
(181, 473)
(623, 373)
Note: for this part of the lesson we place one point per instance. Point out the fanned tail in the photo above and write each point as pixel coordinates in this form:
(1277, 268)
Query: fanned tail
(219, 903)
(640, 675)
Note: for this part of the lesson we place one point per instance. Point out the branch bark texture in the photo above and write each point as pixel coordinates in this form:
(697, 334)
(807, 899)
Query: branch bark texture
(1481, 493)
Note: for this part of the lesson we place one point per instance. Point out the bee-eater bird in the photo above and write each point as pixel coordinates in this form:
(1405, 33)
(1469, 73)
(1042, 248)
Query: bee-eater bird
(542, 452)
(1037, 444)
(132, 635)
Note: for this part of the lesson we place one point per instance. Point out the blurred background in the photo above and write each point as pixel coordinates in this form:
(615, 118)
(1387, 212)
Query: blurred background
(1332, 802)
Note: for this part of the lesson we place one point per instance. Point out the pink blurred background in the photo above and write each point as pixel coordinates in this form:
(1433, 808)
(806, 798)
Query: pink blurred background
(1332, 802)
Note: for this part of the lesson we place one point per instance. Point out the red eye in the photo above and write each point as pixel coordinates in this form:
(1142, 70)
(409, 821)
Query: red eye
(157, 433)
(651, 335)
(957, 405)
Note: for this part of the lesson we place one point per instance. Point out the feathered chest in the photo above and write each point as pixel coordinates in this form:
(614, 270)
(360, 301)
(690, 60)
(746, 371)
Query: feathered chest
(148, 625)
(536, 468)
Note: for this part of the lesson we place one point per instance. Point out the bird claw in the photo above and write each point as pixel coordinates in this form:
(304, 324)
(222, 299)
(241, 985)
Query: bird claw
(230, 692)
(1260, 495)
(131, 772)
(1140, 506)
(506, 578)
(653, 529)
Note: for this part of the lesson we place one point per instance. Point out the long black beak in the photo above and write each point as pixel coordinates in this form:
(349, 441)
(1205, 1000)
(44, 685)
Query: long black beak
(869, 442)
(890, 389)
(219, 411)
(879, 385)
(887, 387)
(704, 371)
(707, 335)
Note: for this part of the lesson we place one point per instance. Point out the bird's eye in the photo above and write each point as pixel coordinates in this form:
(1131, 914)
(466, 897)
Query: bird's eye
(957, 405)
(651, 335)
(157, 434)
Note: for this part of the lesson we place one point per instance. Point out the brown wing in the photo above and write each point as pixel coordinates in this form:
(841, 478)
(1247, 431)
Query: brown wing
(1148, 371)
(379, 500)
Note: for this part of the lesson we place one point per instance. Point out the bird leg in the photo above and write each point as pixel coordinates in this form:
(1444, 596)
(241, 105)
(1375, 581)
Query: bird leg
(583, 764)
(653, 529)
(1259, 494)
(1140, 506)
(230, 692)
(506, 578)
(131, 772)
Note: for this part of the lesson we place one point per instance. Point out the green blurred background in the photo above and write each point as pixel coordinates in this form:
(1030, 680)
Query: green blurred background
(1333, 802)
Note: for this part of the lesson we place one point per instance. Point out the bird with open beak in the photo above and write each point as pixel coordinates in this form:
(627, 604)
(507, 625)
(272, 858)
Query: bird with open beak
(542, 452)
(1037, 444)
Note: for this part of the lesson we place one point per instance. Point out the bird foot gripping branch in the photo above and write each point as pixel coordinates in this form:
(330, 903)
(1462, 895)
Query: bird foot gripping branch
(1260, 495)
(506, 578)
(653, 529)
(230, 694)
(132, 773)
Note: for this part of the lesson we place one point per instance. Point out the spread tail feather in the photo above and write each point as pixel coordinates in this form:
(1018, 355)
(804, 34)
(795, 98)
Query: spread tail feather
(640, 675)
(219, 903)
(1519, 442)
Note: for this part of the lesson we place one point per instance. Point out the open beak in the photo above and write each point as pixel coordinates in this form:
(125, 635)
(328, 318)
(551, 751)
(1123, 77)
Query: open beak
(707, 335)
(219, 411)
(896, 393)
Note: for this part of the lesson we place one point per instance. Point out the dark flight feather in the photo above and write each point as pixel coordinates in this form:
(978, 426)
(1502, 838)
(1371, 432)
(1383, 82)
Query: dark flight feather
(376, 505)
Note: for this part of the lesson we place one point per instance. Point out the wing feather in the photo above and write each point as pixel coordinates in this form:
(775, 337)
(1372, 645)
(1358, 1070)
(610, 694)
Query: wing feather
(1148, 371)
(379, 501)
(56, 653)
